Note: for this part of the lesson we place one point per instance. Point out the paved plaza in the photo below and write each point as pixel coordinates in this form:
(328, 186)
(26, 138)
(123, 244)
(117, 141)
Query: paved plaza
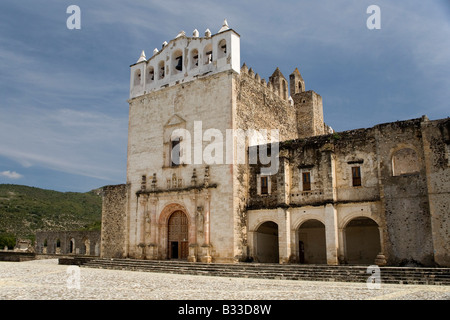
(46, 280)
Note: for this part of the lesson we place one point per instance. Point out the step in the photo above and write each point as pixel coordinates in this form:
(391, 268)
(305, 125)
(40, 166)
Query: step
(317, 277)
(361, 271)
(344, 273)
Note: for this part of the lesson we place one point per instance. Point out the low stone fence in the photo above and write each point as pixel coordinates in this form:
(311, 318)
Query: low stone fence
(15, 256)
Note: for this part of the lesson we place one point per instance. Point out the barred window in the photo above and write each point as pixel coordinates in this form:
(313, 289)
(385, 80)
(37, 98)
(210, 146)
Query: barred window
(264, 185)
(306, 179)
(356, 176)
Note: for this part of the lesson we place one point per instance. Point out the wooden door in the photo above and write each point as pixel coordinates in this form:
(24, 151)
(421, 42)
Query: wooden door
(178, 236)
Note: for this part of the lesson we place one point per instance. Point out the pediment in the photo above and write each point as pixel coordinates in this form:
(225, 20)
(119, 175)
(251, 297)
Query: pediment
(175, 120)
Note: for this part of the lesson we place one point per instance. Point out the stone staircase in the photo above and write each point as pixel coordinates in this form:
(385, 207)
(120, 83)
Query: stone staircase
(342, 273)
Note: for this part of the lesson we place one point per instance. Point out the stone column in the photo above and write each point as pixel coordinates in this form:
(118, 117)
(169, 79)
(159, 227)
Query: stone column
(206, 230)
(153, 245)
(140, 228)
(193, 230)
(284, 235)
(341, 247)
(251, 245)
(380, 260)
(331, 234)
(143, 218)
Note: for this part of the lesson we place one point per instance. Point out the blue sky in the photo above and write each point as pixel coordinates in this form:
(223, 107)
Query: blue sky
(63, 108)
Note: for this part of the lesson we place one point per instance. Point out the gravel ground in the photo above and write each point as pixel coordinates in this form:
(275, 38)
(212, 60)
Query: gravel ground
(46, 280)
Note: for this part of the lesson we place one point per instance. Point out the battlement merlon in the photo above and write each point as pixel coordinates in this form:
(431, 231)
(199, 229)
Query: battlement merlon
(184, 59)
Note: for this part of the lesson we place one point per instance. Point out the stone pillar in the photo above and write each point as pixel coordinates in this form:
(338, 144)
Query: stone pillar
(140, 228)
(192, 257)
(251, 245)
(152, 247)
(142, 217)
(341, 246)
(206, 229)
(283, 179)
(331, 234)
(284, 235)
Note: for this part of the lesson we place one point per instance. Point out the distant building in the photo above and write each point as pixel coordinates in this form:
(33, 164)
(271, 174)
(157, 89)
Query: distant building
(68, 242)
(357, 197)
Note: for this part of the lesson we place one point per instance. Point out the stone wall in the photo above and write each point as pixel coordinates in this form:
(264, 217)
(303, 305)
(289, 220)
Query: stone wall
(193, 106)
(309, 114)
(409, 205)
(405, 197)
(68, 242)
(436, 144)
(260, 106)
(114, 222)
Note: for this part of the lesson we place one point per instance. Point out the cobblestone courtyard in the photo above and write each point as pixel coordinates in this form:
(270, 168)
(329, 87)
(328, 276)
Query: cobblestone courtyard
(46, 280)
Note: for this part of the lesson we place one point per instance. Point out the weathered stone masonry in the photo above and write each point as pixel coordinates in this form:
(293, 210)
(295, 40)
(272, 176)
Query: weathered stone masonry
(376, 195)
(401, 204)
(68, 242)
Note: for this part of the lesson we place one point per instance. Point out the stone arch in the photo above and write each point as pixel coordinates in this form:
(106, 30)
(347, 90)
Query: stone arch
(222, 49)
(362, 240)
(169, 209)
(163, 223)
(150, 74)
(266, 242)
(301, 86)
(137, 77)
(58, 246)
(311, 242)
(161, 70)
(177, 61)
(208, 54)
(45, 246)
(308, 216)
(194, 58)
(345, 219)
(284, 90)
(72, 245)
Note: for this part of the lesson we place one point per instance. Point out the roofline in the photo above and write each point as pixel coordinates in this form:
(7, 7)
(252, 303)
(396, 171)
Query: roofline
(185, 37)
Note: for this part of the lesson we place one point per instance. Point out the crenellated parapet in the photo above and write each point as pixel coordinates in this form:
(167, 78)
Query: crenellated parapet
(274, 85)
(185, 59)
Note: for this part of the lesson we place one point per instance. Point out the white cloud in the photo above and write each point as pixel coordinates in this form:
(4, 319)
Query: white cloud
(72, 141)
(11, 174)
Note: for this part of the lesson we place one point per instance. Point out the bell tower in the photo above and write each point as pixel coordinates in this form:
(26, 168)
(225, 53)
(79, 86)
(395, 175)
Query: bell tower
(296, 82)
(178, 96)
(184, 59)
(309, 107)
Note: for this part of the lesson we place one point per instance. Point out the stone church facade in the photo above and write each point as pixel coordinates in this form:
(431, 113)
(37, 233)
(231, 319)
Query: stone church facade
(377, 195)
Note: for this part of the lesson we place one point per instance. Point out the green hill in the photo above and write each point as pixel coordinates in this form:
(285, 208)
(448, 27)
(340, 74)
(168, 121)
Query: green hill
(25, 210)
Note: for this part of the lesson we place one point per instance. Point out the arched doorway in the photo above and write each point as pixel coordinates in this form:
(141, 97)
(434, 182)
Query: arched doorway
(72, 245)
(178, 243)
(312, 242)
(58, 246)
(267, 250)
(362, 241)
